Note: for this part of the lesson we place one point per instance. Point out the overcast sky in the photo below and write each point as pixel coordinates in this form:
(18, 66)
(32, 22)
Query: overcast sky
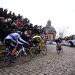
(60, 12)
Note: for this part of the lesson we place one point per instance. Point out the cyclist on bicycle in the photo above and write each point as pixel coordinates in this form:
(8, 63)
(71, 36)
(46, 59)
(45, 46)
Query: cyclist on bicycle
(39, 45)
(58, 46)
(14, 41)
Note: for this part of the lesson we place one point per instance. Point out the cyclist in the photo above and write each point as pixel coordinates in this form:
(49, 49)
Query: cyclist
(14, 41)
(39, 45)
(58, 46)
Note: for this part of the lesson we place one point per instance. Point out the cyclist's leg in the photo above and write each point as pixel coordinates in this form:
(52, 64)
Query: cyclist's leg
(7, 44)
(22, 49)
(61, 49)
(57, 48)
(9, 47)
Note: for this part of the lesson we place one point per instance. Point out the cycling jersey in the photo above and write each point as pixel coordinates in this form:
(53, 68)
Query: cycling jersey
(15, 37)
(37, 38)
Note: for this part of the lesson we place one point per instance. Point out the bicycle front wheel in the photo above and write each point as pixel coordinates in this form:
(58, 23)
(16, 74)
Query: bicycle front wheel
(2, 56)
(43, 50)
(26, 58)
(33, 52)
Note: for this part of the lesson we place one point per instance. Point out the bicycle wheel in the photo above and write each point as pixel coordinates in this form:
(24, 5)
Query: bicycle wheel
(33, 52)
(43, 50)
(2, 56)
(25, 58)
(58, 51)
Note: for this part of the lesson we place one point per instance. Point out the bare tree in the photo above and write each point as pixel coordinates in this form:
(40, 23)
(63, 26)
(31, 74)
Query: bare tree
(62, 31)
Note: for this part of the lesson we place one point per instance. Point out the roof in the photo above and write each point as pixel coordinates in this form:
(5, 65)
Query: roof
(49, 28)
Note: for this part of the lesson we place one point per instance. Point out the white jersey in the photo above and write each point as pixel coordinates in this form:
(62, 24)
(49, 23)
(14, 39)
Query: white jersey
(15, 37)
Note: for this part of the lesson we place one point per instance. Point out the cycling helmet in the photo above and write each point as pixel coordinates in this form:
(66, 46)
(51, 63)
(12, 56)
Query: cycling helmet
(19, 32)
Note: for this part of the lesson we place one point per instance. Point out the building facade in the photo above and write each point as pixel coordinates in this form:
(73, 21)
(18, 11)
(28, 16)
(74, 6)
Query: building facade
(50, 31)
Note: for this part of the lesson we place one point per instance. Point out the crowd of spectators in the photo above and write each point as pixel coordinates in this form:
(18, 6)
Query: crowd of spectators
(10, 22)
(71, 37)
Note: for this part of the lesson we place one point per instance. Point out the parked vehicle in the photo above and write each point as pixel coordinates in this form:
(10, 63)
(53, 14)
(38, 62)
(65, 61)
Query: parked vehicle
(71, 42)
(65, 43)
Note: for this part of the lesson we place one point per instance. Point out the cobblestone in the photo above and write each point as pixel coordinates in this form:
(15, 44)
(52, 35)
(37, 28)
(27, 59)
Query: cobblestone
(51, 64)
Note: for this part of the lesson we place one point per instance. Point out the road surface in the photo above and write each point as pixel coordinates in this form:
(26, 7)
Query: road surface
(51, 64)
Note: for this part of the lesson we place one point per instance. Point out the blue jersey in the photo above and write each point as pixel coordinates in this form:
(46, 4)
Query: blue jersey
(15, 37)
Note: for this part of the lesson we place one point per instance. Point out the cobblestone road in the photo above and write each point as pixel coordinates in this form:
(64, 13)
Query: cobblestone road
(51, 64)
